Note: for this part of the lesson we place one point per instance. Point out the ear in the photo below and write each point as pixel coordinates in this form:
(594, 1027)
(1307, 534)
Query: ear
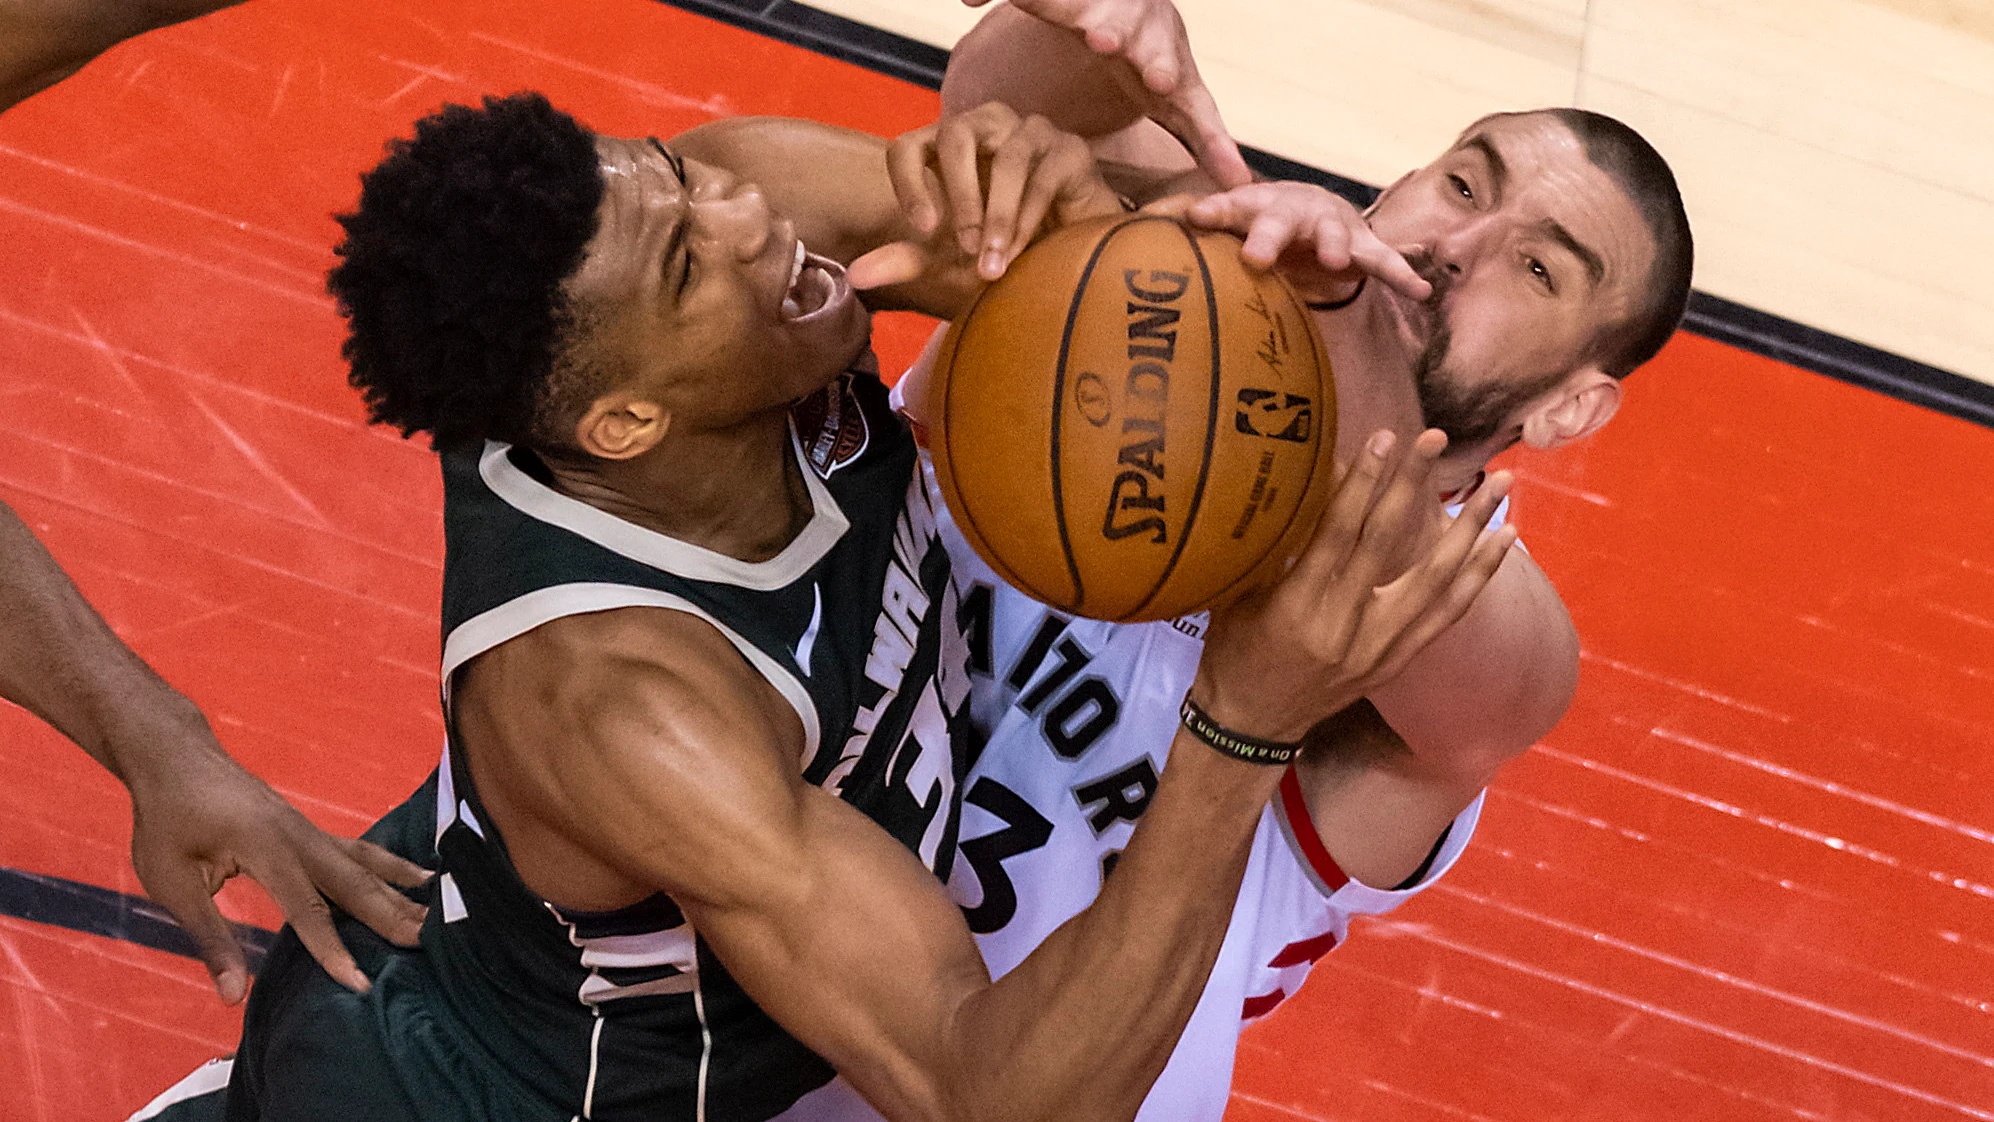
(621, 426)
(1579, 407)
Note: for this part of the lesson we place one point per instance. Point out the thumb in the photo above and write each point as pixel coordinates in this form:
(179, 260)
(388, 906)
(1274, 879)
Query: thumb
(181, 890)
(894, 263)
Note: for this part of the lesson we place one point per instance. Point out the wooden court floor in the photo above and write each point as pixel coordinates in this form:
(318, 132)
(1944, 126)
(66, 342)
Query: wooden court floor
(1750, 877)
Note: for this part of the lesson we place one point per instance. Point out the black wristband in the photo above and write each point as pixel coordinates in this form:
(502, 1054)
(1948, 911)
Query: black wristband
(1239, 746)
(1337, 305)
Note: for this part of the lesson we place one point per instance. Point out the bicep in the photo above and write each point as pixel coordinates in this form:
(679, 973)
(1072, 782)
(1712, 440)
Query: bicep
(686, 779)
(1490, 685)
(1376, 806)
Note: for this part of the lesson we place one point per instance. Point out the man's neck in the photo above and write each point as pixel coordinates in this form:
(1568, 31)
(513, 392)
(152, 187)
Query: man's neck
(1376, 386)
(738, 492)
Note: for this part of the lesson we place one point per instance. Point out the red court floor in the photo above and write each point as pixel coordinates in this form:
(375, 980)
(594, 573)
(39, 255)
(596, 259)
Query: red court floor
(1751, 877)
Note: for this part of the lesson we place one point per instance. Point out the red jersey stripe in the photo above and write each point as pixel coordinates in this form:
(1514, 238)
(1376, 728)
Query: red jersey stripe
(1262, 1005)
(1295, 808)
(1305, 950)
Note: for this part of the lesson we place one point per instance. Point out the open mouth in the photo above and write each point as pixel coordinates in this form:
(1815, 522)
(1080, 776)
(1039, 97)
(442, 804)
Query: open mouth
(816, 286)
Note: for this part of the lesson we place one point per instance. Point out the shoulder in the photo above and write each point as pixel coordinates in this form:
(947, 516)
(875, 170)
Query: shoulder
(633, 676)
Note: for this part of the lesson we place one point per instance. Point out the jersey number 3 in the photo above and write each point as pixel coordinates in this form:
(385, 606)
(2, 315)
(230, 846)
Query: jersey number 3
(1024, 830)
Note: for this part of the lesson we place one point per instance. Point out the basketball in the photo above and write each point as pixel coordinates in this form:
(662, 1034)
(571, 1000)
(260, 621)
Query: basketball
(1132, 425)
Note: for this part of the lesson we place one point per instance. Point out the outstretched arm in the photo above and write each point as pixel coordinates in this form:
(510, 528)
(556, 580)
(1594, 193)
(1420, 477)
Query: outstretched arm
(197, 817)
(933, 214)
(44, 41)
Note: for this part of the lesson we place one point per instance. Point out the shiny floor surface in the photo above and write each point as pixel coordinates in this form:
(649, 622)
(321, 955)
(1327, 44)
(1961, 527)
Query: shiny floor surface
(1751, 877)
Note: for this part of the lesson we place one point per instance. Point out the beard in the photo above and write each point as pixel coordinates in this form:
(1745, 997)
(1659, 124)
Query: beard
(1467, 412)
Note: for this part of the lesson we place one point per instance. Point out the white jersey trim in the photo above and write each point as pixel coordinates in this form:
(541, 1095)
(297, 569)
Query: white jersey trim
(1291, 812)
(522, 614)
(204, 1080)
(661, 551)
(672, 947)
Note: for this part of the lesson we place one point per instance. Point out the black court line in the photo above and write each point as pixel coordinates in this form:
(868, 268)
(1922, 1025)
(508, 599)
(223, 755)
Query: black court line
(114, 915)
(1712, 317)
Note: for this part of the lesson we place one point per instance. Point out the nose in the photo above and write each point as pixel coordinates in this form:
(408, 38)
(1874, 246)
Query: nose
(1458, 248)
(739, 219)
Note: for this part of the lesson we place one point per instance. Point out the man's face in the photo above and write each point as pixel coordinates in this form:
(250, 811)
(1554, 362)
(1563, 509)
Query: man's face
(698, 295)
(1532, 252)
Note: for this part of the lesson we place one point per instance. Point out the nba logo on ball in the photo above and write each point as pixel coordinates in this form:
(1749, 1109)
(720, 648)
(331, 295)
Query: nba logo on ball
(1132, 425)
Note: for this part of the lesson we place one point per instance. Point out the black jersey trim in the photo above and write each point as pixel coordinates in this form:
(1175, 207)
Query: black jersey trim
(1713, 317)
(522, 614)
(542, 503)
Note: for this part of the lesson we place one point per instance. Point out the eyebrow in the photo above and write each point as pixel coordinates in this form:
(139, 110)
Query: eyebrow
(1498, 170)
(1595, 266)
(1551, 228)
(671, 158)
(676, 241)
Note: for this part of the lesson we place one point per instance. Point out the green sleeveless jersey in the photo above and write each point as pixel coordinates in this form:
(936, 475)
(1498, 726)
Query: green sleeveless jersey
(627, 1014)
(515, 1010)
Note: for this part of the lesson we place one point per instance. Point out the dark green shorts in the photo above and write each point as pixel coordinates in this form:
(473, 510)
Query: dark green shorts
(313, 1050)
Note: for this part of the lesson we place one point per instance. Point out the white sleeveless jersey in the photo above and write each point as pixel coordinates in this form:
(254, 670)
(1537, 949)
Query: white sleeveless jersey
(1079, 716)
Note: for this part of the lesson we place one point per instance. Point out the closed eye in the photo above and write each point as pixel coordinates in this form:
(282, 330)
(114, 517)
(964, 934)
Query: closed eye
(678, 251)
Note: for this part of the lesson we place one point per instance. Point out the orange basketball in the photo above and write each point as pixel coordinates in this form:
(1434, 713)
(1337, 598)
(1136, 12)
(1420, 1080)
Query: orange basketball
(1131, 425)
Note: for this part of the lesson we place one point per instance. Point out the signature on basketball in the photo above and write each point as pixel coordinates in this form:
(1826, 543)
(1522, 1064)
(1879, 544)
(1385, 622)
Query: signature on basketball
(1273, 348)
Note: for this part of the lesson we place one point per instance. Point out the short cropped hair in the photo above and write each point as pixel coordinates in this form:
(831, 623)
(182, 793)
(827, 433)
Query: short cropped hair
(450, 275)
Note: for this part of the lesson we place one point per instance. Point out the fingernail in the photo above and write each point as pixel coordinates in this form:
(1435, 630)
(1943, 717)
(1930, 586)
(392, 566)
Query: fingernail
(992, 265)
(1381, 442)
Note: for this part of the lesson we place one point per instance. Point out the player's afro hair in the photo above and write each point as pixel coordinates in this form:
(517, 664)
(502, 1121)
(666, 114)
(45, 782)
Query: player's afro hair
(450, 274)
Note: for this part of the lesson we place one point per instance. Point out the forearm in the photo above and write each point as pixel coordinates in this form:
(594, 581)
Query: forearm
(61, 662)
(1087, 1022)
(45, 41)
(1035, 67)
(872, 967)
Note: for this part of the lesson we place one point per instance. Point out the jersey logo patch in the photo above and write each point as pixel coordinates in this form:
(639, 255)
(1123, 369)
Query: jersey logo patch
(832, 427)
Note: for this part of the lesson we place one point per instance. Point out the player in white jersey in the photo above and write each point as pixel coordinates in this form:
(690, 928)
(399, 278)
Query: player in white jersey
(1557, 256)
(1079, 715)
